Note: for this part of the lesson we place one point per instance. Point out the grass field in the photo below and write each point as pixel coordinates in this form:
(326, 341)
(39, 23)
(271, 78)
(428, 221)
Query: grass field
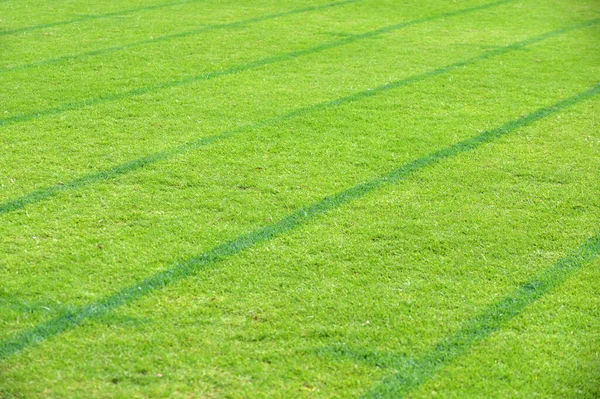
(361, 198)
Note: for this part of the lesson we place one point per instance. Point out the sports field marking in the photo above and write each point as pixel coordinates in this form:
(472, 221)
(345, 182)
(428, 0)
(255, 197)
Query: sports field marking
(418, 371)
(228, 71)
(99, 16)
(131, 166)
(108, 50)
(302, 216)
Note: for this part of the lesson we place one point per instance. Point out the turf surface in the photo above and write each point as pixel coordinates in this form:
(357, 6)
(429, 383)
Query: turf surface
(360, 198)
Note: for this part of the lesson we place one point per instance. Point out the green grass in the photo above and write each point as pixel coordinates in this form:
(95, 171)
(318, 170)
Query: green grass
(362, 198)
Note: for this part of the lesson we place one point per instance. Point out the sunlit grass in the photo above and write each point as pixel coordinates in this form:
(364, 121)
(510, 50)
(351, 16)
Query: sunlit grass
(343, 199)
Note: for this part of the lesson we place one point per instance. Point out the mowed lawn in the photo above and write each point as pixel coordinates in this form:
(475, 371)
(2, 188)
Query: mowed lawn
(299, 198)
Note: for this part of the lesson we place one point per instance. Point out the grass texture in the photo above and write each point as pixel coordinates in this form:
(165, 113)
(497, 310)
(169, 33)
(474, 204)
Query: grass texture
(358, 198)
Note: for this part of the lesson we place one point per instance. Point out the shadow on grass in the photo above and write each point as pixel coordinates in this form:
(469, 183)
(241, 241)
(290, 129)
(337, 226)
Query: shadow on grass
(131, 166)
(25, 117)
(447, 349)
(410, 373)
(209, 28)
(92, 17)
